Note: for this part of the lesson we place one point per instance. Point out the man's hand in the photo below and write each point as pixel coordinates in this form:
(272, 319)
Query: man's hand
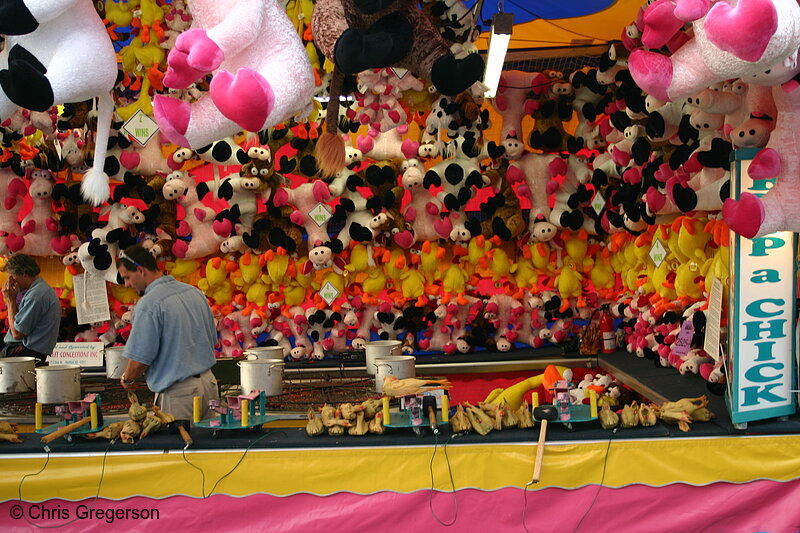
(129, 386)
(10, 290)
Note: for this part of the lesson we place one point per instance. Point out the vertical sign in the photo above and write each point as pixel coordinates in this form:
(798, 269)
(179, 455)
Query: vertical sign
(761, 313)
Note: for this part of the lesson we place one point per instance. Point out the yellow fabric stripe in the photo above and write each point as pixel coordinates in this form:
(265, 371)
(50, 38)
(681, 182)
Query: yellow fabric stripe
(366, 470)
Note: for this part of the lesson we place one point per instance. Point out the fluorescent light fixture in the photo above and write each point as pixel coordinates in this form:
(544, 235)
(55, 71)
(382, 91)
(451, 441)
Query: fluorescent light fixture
(502, 24)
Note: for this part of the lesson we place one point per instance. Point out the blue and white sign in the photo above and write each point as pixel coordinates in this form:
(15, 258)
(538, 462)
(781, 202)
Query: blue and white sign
(761, 314)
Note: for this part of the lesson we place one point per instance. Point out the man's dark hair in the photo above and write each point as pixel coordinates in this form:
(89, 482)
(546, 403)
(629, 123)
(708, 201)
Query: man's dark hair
(136, 256)
(23, 265)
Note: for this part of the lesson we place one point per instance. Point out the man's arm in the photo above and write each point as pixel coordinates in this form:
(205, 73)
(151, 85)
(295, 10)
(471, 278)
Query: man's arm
(133, 371)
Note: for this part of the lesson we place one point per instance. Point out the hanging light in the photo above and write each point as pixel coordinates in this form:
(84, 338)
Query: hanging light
(502, 24)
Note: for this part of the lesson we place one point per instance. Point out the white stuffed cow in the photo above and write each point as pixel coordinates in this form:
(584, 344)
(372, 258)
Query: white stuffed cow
(58, 51)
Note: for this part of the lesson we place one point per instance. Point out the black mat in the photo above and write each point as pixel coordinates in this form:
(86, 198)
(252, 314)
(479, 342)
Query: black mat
(666, 381)
(669, 383)
(297, 438)
(429, 358)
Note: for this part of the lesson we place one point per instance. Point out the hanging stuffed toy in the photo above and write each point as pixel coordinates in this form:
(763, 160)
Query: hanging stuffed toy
(717, 51)
(262, 74)
(359, 35)
(58, 51)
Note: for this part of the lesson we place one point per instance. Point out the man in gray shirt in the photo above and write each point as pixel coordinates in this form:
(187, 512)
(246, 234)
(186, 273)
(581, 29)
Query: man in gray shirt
(172, 337)
(34, 312)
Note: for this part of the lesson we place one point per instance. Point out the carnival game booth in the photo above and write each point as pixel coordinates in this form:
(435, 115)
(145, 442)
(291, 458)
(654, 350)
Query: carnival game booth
(283, 479)
(330, 180)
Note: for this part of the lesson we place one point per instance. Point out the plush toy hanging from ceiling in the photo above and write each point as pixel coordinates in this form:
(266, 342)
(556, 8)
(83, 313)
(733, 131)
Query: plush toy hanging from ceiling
(361, 34)
(58, 51)
(262, 74)
(769, 56)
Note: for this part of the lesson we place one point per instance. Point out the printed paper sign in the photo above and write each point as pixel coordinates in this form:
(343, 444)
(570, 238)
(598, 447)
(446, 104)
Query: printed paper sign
(91, 298)
(77, 353)
(714, 319)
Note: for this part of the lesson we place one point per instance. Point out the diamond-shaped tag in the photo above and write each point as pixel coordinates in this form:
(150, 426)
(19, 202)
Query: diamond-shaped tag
(658, 253)
(320, 214)
(140, 127)
(400, 72)
(598, 202)
(328, 292)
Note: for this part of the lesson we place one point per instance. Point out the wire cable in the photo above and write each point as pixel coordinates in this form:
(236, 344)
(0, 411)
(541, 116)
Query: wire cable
(244, 453)
(450, 472)
(602, 479)
(600, 486)
(202, 473)
(523, 8)
(94, 501)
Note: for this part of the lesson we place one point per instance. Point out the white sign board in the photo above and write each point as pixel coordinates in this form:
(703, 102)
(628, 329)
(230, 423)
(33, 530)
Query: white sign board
(761, 314)
(77, 353)
(713, 320)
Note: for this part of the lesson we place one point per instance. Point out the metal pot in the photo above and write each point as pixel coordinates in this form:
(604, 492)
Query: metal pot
(264, 352)
(261, 375)
(16, 374)
(399, 366)
(58, 384)
(115, 363)
(375, 349)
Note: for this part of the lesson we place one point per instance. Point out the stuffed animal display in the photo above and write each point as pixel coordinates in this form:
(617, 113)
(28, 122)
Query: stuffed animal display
(446, 221)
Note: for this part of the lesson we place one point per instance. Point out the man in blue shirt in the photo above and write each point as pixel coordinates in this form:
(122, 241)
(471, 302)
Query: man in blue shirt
(172, 337)
(34, 312)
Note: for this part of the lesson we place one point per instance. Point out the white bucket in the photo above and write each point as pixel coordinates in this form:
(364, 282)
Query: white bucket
(58, 384)
(115, 363)
(399, 366)
(16, 374)
(264, 352)
(262, 375)
(375, 349)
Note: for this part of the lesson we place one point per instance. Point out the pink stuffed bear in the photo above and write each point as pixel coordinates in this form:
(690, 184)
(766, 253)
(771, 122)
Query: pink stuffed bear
(503, 312)
(380, 91)
(513, 102)
(536, 170)
(39, 226)
(421, 212)
(198, 219)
